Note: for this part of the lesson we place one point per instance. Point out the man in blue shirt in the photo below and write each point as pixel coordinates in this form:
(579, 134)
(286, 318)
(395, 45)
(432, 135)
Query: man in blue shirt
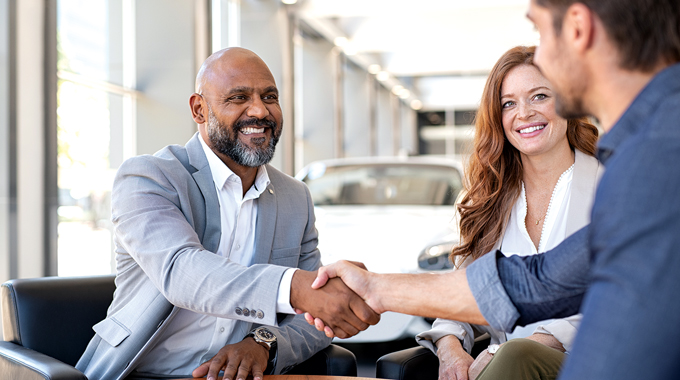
(616, 60)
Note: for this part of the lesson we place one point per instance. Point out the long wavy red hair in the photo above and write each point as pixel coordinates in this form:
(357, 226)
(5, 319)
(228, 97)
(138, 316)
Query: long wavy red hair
(493, 173)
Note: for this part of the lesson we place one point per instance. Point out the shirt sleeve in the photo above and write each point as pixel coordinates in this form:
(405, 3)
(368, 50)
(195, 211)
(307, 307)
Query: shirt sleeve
(283, 297)
(443, 327)
(492, 299)
(519, 290)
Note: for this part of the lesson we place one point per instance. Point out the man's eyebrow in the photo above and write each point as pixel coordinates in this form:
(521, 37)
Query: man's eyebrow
(246, 89)
(271, 89)
(239, 90)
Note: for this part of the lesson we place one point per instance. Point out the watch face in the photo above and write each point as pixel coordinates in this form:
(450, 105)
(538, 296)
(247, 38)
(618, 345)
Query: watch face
(265, 335)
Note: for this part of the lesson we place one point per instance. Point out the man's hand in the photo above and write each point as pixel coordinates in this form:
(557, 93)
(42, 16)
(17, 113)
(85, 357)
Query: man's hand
(237, 360)
(355, 276)
(454, 362)
(337, 305)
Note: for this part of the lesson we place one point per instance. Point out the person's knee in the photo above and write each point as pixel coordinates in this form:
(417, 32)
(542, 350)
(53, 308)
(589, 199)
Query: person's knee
(524, 359)
(518, 350)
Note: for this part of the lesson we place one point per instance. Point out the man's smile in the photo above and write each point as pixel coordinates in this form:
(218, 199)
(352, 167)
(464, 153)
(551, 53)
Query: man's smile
(251, 130)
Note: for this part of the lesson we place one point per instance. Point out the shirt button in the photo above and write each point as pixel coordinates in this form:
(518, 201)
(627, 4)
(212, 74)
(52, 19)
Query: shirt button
(221, 329)
(238, 246)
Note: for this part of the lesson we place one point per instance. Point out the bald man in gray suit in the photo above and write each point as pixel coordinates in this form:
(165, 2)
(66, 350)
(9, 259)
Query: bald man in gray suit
(208, 241)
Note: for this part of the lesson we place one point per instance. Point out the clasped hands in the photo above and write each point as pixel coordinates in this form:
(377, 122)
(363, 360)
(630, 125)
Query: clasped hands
(343, 310)
(350, 307)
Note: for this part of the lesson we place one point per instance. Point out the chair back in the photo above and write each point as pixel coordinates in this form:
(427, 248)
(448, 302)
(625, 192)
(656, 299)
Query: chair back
(55, 315)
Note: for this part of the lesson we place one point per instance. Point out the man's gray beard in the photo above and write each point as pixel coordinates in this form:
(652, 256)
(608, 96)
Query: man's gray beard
(235, 149)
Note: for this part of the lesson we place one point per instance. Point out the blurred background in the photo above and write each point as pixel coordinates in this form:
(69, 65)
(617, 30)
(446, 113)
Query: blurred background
(85, 84)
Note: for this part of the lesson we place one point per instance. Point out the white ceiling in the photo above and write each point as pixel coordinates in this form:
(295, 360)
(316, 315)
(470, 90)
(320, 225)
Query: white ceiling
(436, 46)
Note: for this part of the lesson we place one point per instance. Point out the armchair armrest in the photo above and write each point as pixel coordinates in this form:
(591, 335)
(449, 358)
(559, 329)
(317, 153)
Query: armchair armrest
(412, 363)
(331, 361)
(18, 362)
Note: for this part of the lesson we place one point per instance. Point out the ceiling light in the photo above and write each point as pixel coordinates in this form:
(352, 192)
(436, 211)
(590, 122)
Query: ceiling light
(374, 68)
(404, 93)
(340, 41)
(350, 49)
(416, 104)
(397, 89)
(289, 1)
(382, 76)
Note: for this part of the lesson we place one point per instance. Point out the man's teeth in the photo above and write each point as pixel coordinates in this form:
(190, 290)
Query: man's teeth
(532, 129)
(250, 130)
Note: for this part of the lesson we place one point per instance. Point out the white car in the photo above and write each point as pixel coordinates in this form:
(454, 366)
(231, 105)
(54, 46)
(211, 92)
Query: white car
(396, 215)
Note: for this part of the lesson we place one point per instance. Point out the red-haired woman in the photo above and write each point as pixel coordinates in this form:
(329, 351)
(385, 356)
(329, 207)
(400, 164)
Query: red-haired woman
(529, 184)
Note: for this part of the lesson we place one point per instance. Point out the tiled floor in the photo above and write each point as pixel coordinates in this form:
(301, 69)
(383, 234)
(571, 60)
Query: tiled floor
(368, 353)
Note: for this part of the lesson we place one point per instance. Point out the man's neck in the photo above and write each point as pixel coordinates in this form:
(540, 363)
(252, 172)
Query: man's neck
(614, 91)
(246, 173)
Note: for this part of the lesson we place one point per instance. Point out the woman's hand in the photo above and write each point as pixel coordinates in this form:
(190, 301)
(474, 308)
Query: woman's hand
(547, 340)
(479, 364)
(454, 362)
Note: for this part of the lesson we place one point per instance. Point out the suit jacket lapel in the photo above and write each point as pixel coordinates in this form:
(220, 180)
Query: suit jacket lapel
(204, 180)
(266, 225)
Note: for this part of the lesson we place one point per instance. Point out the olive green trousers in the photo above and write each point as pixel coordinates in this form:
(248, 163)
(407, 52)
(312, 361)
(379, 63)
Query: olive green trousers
(523, 359)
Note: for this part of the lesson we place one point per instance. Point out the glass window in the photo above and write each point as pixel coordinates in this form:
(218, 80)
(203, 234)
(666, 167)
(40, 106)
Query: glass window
(91, 104)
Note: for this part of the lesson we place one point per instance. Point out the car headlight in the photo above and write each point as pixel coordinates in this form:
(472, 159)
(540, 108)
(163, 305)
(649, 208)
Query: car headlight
(436, 257)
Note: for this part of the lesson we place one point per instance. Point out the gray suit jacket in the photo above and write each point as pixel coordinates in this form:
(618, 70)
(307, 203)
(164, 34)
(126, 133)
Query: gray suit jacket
(167, 225)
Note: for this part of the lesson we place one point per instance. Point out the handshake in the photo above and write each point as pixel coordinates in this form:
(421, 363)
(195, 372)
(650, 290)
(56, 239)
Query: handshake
(338, 301)
(344, 298)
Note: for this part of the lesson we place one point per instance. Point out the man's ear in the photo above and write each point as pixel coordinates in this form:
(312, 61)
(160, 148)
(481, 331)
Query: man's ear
(578, 27)
(196, 105)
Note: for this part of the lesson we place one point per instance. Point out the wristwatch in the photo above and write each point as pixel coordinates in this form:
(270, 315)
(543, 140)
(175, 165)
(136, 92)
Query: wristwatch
(262, 335)
(493, 348)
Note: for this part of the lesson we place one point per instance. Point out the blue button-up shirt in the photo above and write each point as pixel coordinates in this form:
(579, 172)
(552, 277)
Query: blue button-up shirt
(623, 270)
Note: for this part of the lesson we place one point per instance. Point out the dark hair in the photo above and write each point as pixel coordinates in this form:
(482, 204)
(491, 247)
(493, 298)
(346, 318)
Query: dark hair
(493, 175)
(646, 32)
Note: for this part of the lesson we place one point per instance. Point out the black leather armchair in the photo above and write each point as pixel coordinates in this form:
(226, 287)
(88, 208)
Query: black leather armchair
(47, 323)
(417, 363)
(412, 363)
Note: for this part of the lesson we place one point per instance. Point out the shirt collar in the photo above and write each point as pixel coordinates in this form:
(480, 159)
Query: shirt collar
(221, 172)
(637, 116)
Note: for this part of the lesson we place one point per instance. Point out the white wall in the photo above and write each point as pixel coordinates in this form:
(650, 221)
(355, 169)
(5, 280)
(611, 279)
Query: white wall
(5, 197)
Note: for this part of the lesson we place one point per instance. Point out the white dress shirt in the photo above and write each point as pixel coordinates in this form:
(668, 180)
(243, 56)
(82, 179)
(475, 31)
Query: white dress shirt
(193, 338)
(516, 241)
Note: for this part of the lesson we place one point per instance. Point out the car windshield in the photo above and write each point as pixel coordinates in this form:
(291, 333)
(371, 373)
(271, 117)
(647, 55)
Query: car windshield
(383, 184)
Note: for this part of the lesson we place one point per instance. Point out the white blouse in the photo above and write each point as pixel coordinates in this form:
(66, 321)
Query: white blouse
(516, 241)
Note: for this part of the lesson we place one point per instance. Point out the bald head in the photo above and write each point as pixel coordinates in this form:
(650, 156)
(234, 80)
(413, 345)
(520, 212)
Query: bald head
(225, 62)
(236, 106)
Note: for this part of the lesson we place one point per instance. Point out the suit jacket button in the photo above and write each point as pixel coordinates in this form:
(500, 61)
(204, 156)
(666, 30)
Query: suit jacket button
(239, 311)
(260, 314)
(246, 312)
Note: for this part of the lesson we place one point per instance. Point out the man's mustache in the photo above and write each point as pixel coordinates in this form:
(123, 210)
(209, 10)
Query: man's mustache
(255, 122)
